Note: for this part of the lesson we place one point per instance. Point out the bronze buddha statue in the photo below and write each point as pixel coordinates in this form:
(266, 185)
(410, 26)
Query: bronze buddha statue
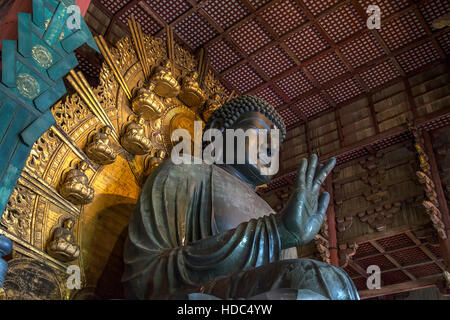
(63, 246)
(99, 148)
(75, 187)
(191, 94)
(166, 85)
(135, 140)
(147, 104)
(212, 105)
(202, 229)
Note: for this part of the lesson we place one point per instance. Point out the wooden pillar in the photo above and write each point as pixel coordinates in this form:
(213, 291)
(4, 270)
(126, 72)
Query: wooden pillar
(444, 243)
(331, 216)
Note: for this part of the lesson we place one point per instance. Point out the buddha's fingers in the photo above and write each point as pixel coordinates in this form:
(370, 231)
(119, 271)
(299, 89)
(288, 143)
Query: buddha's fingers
(323, 173)
(311, 170)
(301, 180)
(319, 168)
(324, 199)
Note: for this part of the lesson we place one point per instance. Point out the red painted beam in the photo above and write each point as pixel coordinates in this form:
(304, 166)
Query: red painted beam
(331, 216)
(83, 5)
(444, 244)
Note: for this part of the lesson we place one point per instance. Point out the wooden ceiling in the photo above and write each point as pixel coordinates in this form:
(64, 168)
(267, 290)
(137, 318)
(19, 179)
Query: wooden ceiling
(306, 57)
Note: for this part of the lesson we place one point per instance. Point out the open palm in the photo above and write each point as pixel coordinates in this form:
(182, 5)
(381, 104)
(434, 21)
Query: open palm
(303, 215)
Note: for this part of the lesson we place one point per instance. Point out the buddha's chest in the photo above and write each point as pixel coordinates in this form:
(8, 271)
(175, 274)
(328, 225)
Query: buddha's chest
(233, 202)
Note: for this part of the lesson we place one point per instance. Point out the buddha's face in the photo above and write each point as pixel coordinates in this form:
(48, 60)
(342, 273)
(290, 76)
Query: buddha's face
(107, 130)
(167, 64)
(194, 75)
(68, 224)
(141, 121)
(83, 166)
(255, 172)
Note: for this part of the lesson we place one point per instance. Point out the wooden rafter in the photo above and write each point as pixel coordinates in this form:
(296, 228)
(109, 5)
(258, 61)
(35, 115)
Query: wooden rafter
(368, 141)
(400, 287)
(425, 250)
(375, 244)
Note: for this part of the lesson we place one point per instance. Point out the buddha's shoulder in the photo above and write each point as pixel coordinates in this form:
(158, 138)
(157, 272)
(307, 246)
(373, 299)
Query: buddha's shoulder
(186, 169)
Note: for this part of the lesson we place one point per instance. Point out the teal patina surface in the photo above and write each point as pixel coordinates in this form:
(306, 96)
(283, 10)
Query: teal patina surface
(33, 68)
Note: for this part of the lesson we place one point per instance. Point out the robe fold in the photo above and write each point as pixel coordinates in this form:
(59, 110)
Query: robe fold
(195, 226)
(174, 243)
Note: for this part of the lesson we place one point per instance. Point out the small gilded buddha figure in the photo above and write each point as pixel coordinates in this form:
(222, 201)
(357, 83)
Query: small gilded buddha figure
(75, 187)
(99, 149)
(154, 162)
(211, 105)
(62, 246)
(135, 140)
(191, 93)
(165, 83)
(147, 104)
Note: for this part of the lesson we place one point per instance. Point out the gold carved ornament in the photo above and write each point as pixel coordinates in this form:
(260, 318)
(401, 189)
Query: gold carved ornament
(84, 176)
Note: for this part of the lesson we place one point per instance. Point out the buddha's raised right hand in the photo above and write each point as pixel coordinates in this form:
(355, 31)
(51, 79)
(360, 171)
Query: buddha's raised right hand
(303, 215)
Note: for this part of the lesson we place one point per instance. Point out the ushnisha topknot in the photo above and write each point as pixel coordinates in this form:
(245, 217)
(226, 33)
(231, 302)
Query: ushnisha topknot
(228, 114)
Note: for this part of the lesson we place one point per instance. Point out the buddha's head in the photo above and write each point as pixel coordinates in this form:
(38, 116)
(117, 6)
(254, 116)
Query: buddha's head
(68, 223)
(253, 116)
(107, 130)
(193, 75)
(83, 166)
(167, 64)
(141, 120)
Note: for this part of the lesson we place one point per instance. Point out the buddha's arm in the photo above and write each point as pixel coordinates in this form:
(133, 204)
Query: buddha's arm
(172, 243)
(251, 244)
(164, 255)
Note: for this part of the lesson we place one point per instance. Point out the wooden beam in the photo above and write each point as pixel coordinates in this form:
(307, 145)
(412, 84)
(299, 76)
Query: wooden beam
(378, 37)
(355, 266)
(144, 5)
(337, 115)
(373, 114)
(424, 249)
(415, 245)
(415, 265)
(370, 140)
(427, 29)
(115, 17)
(400, 287)
(391, 259)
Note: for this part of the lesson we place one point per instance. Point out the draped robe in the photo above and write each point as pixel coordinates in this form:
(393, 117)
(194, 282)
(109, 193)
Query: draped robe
(197, 225)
